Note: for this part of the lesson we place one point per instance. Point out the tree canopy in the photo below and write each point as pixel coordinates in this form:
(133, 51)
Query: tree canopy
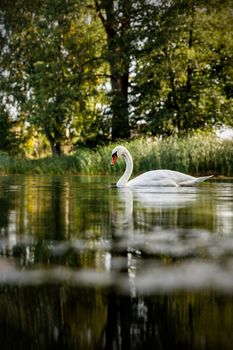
(90, 71)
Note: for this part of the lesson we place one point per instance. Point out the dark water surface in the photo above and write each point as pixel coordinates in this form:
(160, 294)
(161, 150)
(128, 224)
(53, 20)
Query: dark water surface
(84, 265)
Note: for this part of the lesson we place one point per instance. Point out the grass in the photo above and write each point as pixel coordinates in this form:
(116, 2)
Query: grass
(197, 155)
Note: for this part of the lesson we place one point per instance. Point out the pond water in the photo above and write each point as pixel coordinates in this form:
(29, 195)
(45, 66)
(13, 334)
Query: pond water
(85, 265)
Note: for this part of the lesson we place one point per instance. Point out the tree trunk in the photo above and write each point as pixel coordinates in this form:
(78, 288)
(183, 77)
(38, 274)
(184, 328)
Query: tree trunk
(173, 95)
(119, 107)
(56, 149)
(119, 62)
(55, 144)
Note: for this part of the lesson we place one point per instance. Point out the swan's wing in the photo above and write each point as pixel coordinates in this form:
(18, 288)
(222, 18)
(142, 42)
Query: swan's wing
(195, 181)
(167, 178)
(152, 183)
(160, 178)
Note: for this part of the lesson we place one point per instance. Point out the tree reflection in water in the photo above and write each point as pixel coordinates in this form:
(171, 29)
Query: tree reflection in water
(84, 318)
(88, 266)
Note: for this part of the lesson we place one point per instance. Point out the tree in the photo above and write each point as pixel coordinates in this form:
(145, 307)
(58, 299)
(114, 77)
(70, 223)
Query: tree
(168, 64)
(181, 75)
(116, 17)
(10, 138)
(53, 65)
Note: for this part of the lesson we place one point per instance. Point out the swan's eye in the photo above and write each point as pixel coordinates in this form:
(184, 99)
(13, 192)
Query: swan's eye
(114, 158)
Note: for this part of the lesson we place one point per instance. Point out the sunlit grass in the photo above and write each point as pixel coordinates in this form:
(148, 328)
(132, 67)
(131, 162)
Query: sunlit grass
(197, 155)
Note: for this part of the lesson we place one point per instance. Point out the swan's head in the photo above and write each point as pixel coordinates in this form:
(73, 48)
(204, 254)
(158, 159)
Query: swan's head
(118, 152)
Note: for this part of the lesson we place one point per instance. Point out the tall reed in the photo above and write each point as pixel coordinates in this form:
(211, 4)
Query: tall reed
(197, 155)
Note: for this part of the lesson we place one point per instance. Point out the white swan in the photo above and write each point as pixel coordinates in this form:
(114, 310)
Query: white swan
(153, 177)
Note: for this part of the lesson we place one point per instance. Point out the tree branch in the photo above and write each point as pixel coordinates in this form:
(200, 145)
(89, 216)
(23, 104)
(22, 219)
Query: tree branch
(99, 13)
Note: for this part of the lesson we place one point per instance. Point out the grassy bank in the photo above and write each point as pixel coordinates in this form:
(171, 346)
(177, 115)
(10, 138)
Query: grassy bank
(196, 155)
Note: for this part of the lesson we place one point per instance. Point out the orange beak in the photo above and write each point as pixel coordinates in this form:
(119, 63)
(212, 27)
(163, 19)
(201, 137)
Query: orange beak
(114, 159)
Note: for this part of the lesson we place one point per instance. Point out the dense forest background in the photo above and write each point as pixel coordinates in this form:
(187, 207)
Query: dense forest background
(86, 72)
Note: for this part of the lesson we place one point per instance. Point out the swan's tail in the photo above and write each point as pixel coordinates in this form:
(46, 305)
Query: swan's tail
(195, 181)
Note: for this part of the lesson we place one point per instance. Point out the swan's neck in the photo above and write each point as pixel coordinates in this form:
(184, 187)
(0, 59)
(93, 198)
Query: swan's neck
(128, 169)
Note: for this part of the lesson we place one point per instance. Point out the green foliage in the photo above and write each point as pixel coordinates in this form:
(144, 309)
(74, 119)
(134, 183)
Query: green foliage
(56, 64)
(8, 139)
(184, 69)
(82, 71)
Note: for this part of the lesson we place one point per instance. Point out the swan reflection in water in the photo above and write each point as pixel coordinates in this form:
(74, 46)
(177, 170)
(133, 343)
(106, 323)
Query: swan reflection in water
(122, 212)
(137, 220)
(133, 200)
